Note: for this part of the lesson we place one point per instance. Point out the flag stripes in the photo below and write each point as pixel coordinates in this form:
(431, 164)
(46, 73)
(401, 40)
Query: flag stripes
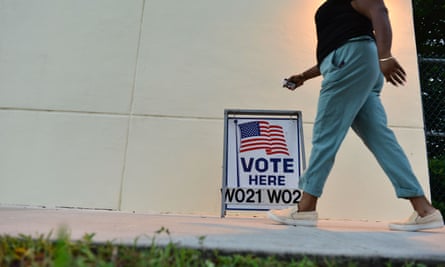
(257, 135)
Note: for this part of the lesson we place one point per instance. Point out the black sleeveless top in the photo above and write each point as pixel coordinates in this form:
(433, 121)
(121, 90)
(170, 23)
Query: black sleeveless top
(337, 22)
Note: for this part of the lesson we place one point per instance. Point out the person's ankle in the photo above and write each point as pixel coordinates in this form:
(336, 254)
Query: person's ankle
(426, 212)
(422, 206)
(305, 208)
(307, 203)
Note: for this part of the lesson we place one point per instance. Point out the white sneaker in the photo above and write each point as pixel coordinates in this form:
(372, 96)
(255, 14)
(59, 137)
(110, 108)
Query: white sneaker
(291, 216)
(416, 223)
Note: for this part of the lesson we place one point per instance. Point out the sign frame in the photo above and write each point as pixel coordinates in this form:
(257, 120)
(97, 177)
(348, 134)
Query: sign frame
(234, 114)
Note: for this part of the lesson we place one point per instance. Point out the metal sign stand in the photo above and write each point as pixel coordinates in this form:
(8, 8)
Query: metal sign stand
(268, 190)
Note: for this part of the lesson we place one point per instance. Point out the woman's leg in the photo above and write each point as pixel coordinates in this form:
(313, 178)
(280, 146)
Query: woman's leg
(350, 74)
(370, 125)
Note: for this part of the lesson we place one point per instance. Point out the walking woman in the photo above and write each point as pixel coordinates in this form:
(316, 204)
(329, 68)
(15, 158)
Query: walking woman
(354, 58)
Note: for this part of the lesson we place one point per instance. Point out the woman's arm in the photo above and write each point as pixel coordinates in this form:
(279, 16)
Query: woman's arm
(377, 12)
(299, 79)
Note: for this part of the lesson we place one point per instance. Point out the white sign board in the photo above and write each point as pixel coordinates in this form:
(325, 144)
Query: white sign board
(264, 158)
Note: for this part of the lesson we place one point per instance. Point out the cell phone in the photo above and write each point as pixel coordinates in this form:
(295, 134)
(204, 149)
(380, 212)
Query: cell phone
(289, 85)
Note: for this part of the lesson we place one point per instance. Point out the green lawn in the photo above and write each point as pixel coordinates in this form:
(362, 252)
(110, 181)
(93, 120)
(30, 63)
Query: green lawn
(44, 250)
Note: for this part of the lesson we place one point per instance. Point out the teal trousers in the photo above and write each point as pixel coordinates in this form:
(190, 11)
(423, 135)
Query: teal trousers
(350, 97)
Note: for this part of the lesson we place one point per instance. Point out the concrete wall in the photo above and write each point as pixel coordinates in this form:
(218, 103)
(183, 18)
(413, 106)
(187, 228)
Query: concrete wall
(119, 104)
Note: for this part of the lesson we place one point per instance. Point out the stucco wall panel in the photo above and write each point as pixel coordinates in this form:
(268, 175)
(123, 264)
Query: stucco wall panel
(61, 159)
(68, 55)
(173, 165)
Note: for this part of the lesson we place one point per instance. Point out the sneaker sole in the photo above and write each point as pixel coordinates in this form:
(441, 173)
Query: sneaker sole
(310, 223)
(416, 227)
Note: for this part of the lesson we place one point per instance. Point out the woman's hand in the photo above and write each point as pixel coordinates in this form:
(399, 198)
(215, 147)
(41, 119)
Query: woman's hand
(298, 80)
(393, 71)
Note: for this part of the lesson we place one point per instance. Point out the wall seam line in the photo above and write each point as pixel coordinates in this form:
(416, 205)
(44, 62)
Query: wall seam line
(130, 115)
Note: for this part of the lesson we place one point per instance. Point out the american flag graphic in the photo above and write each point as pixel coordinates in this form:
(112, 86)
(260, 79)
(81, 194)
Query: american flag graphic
(263, 135)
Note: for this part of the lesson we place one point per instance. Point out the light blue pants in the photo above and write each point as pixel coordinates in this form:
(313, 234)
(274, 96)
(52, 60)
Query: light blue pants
(350, 97)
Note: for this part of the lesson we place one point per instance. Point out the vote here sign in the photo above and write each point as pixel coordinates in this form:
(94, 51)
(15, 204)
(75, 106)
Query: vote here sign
(264, 158)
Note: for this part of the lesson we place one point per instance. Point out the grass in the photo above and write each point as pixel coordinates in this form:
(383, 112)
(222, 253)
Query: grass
(43, 250)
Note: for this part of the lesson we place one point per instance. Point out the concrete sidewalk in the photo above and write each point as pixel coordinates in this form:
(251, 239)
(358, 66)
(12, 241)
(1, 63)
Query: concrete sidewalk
(352, 239)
